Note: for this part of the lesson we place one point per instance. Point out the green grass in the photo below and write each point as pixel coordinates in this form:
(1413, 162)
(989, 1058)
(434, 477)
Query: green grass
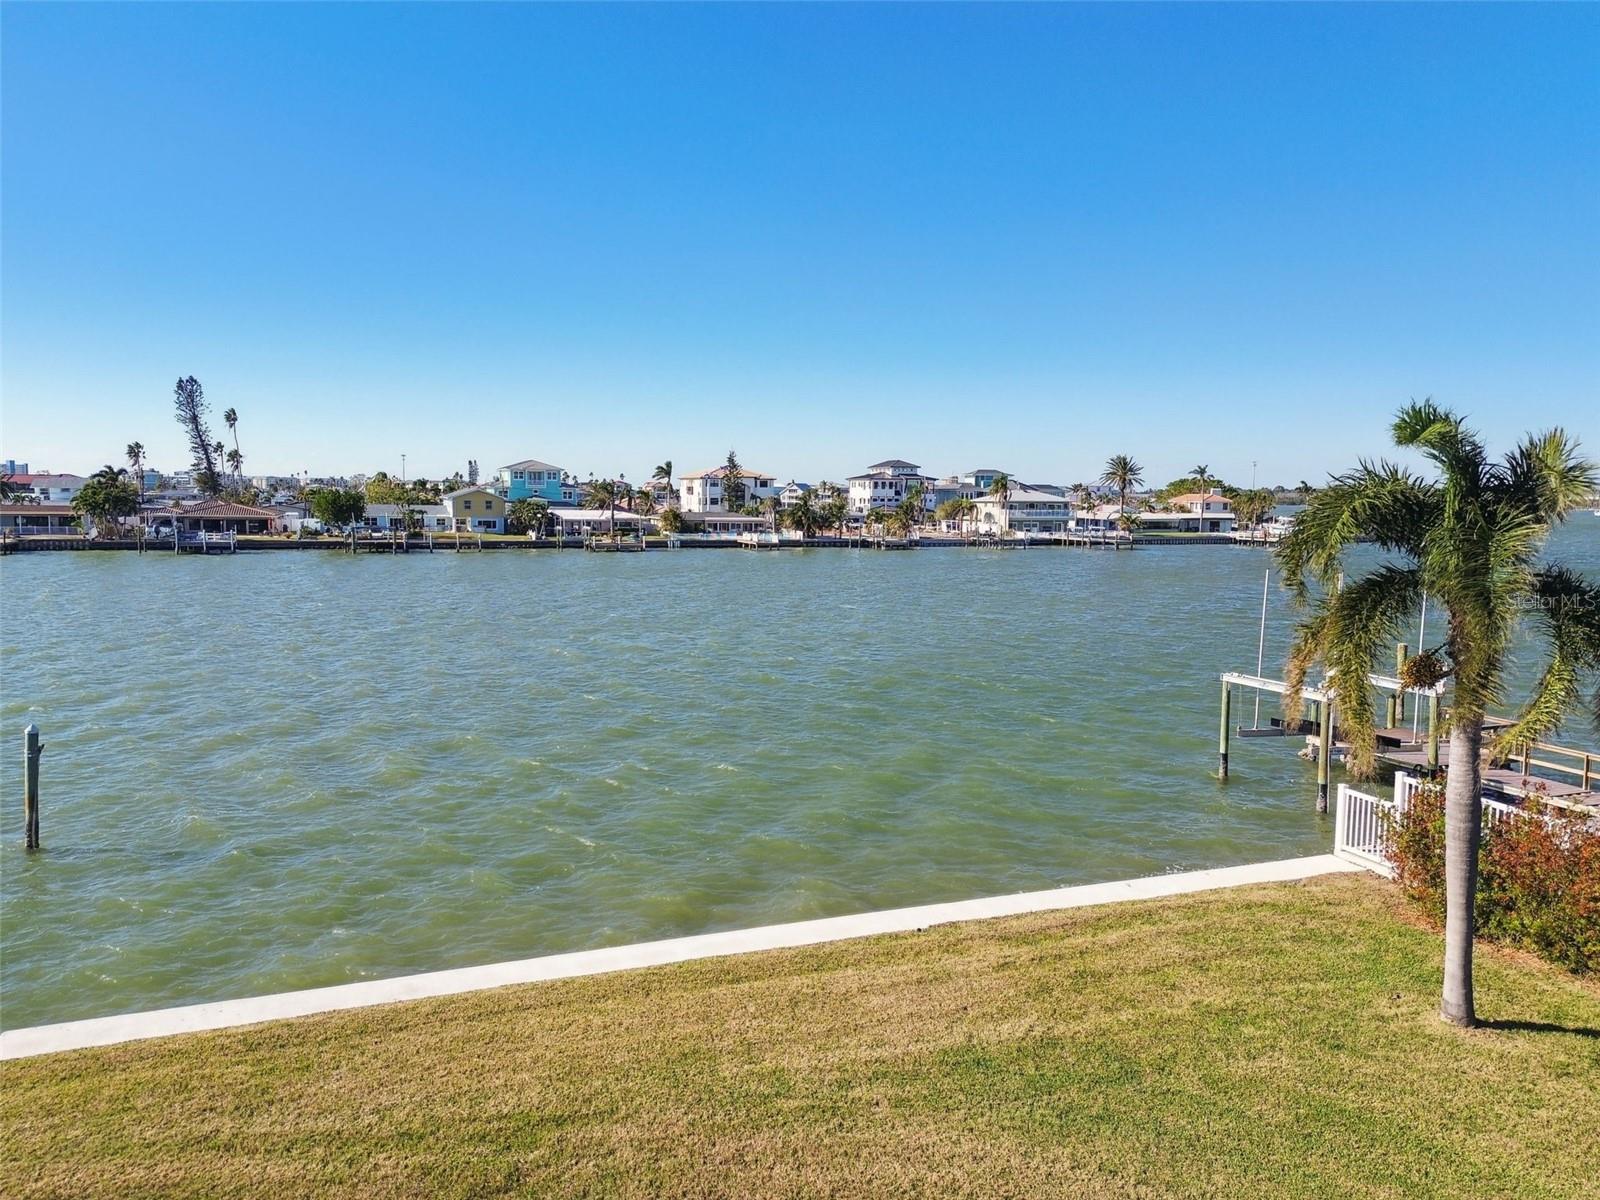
(1278, 1040)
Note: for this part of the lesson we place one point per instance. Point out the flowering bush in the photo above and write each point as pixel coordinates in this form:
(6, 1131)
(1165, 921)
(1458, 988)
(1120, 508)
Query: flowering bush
(1538, 876)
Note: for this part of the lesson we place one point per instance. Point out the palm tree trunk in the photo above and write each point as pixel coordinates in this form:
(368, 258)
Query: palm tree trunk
(1463, 829)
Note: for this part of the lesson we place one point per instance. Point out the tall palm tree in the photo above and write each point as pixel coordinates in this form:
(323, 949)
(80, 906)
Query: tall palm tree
(1122, 473)
(1000, 486)
(135, 454)
(231, 420)
(663, 473)
(603, 493)
(1469, 542)
(771, 507)
(1203, 474)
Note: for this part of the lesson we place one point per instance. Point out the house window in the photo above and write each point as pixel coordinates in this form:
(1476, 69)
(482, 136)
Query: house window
(488, 506)
(466, 505)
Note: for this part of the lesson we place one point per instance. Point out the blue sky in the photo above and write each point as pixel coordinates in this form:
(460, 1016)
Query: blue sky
(1025, 237)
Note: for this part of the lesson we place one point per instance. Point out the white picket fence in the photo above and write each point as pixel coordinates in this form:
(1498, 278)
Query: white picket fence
(1362, 821)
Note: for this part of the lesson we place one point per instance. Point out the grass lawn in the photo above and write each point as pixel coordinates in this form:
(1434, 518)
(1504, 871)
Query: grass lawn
(1278, 1040)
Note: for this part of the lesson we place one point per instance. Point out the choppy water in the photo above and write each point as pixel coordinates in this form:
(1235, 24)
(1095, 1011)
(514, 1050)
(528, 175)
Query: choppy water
(282, 770)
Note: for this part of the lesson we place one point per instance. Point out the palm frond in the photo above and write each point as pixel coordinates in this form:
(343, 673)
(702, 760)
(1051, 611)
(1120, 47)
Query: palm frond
(1444, 438)
(1377, 502)
(1548, 475)
(1365, 618)
(1566, 612)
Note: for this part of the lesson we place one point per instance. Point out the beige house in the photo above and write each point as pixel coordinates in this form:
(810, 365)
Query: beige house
(702, 491)
(475, 510)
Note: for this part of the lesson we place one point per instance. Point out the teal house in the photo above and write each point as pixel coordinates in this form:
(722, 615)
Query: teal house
(530, 479)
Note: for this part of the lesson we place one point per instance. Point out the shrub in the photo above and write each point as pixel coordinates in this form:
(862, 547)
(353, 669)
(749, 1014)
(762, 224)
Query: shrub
(1538, 876)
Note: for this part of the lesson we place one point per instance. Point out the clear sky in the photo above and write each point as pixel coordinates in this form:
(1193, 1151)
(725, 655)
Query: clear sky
(1019, 237)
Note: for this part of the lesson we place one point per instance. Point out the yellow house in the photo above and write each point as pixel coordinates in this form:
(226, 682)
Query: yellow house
(476, 510)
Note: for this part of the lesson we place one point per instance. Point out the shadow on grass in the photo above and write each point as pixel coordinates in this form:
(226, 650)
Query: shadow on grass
(1539, 1027)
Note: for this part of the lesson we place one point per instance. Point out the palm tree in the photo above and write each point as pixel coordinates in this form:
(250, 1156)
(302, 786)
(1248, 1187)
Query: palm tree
(526, 515)
(603, 493)
(1252, 507)
(135, 454)
(915, 505)
(671, 521)
(1203, 474)
(1469, 542)
(1122, 473)
(1001, 486)
(803, 515)
(235, 460)
(1306, 490)
(663, 473)
(771, 507)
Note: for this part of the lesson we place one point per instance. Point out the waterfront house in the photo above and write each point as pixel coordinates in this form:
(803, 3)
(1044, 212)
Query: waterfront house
(28, 519)
(792, 491)
(721, 524)
(475, 510)
(576, 522)
(703, 492)
(530, 479)
(886, 484)
(214, 516)
(430, 518)
(1031, 509)
(1195, 512)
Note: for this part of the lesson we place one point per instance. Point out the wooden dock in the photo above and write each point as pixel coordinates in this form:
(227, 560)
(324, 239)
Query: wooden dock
(1562, 775)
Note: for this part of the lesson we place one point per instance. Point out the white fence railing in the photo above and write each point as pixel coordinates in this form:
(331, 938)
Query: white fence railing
(1362, 822)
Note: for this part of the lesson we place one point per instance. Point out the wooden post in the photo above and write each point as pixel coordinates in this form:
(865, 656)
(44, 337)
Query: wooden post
(1222, 734)
(1433, 732)
(31, 749)
(1389, 707)
(1324, 746)
(1401, 653)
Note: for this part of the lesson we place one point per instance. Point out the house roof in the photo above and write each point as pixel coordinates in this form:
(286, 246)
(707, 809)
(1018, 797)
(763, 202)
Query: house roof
(224, 509)
(892, 462)
(48, 510)
(744, 473)
(923, 479)
(1196, 497)
(470, 491)
(530, 464)
(1023, 493)
(47, 478)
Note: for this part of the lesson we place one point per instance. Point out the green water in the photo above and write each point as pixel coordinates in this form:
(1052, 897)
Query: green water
(283, 770)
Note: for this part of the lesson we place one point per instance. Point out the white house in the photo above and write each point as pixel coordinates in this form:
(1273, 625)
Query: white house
(885, 485)
(432, 517)
(702, 491)
(1030, 509)
(1194, 512)
(49, 487)
(792, 491)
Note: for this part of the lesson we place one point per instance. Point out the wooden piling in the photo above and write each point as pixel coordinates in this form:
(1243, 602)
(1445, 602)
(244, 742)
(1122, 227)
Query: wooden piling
(1324, 746)
(1222, 734)
(1401, 653)
(31, 749)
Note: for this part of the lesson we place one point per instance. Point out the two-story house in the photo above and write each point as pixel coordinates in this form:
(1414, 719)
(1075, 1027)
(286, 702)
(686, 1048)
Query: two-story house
(703, 491)
(530, 479)
(475, 510)
(1028, 509)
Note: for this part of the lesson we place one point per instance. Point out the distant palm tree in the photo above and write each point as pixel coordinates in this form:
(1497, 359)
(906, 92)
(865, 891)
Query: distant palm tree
(671, 521)
(1469, 541)
(663, 474)
(1306, 490)
(527, 515)
(1203, 474)
(231, 420)
(1122, 473)
(771, 507)
(135, 454)
(1000, 487)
